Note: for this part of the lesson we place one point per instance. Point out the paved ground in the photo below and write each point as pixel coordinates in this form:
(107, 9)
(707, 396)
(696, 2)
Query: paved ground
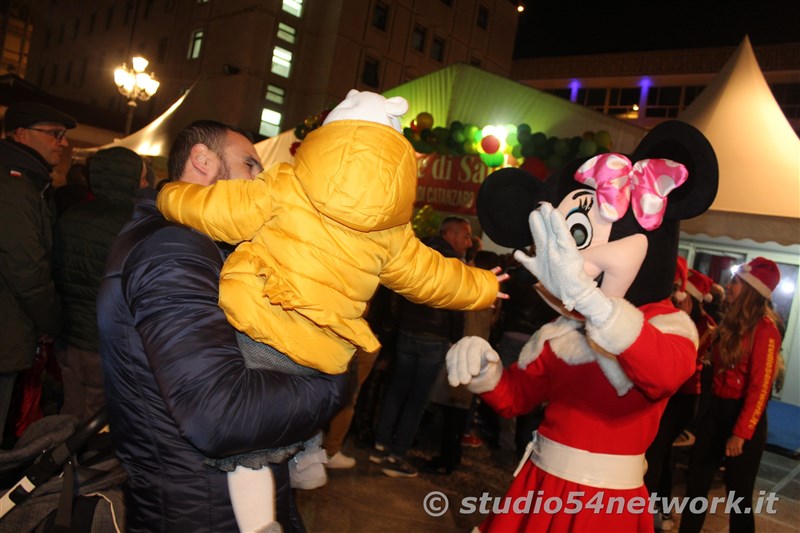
(364, 500)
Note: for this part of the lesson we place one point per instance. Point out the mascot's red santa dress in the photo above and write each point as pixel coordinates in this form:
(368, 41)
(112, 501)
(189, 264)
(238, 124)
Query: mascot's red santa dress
(606, 238)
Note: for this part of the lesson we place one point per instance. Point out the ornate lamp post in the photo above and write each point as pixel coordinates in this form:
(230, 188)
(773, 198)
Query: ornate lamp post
(134, 84)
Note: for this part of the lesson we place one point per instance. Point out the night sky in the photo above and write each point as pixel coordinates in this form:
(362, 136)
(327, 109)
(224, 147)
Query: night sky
(563, 27)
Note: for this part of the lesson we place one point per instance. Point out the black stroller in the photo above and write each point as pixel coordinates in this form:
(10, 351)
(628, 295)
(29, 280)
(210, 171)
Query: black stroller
(62, 476)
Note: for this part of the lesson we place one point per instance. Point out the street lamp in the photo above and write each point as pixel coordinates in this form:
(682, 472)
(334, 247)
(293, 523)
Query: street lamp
(134, 84)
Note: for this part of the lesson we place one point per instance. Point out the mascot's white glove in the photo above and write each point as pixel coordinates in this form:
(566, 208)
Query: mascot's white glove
(559, 266)
(472, 362)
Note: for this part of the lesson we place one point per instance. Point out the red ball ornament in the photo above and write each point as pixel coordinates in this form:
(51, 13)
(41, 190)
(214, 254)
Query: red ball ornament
(490, 144)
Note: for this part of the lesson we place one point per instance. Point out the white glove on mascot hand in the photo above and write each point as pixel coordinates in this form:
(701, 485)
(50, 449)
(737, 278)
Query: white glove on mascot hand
(472, 362)
(371, 107)
(558, 265)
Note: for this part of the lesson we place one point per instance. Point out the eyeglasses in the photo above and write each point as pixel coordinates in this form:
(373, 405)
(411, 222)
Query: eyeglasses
(57, 134)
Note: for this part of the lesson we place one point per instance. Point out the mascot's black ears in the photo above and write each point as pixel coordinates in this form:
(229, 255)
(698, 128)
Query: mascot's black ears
(508, 196)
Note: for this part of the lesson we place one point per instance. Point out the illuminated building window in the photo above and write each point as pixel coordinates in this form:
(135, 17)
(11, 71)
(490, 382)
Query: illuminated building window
(195, 44)
(286, 33)
(270, 123)
(293, 7)
(275, 94)
(281, 61)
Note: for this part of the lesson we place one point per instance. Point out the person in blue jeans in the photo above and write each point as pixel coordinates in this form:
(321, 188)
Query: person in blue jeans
(425, 334)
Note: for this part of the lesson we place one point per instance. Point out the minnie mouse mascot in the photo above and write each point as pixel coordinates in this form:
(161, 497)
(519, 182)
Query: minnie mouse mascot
(606, 241)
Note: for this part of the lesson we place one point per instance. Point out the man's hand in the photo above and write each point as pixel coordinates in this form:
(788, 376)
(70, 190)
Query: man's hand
(472, 362)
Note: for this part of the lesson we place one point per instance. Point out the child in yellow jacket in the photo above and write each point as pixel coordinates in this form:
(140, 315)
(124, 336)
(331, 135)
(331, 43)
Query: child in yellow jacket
(317, 238)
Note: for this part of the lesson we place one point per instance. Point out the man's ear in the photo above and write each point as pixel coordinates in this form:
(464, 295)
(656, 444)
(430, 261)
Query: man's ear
(198, 157)
(20, 135)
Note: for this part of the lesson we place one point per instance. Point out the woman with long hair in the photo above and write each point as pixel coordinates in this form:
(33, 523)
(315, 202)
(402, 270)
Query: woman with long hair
(744, 361)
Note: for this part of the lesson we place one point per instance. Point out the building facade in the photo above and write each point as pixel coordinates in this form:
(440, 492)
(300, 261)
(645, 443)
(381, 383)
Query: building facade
(271, 63)
(649, 87)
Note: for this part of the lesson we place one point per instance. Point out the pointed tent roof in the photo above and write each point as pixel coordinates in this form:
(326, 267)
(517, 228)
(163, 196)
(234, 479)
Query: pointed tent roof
(200, 101)
(155, 138)
(758, 153)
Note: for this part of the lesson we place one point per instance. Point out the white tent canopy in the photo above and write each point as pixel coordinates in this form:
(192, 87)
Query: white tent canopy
(200, 101)
(758, 153)
(155, 138)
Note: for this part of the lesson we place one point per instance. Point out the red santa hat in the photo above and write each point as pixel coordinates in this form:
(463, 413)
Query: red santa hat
(761, 274)
(699, 285)
(681, 274)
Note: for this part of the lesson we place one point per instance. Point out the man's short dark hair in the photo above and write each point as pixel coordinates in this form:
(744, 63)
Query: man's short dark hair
(450, 222)
(209, 132)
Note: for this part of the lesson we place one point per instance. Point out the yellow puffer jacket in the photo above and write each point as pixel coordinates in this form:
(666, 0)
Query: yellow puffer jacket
(322, 235)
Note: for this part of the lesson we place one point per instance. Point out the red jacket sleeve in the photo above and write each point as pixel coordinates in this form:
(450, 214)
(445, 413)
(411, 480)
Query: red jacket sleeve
(761, 373)
(519, 391)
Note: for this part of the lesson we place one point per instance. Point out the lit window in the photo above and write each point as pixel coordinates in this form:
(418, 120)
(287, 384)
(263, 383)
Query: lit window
(418, 39)
(286, 33)
(293, 7)
(270, 123)
(281, 61)
(275, 94)
(195, 44)
(437, 49)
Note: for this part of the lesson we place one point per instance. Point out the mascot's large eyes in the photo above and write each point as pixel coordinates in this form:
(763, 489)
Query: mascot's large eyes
(579, 225)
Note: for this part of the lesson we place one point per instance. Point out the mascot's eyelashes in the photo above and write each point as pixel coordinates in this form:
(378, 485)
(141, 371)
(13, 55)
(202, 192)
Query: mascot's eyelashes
(578, 223)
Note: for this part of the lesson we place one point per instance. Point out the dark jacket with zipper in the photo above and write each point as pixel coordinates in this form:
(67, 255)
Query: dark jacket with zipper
(29, 305)
(421, 319)
(177, 386)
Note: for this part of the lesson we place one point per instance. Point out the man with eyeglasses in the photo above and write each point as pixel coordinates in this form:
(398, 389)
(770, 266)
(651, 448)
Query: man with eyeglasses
(29, 307)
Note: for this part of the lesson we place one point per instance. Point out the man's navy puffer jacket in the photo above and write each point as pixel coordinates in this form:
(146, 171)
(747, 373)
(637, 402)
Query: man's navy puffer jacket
(177, 386)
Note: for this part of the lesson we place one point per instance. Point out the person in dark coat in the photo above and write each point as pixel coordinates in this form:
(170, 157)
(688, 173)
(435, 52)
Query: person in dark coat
(75, 190)
(29, 307)
(177, 386)
(425, 334)
(83, 236)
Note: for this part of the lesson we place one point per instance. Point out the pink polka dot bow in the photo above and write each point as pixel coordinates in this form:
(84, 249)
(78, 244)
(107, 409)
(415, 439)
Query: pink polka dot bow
(649, 181)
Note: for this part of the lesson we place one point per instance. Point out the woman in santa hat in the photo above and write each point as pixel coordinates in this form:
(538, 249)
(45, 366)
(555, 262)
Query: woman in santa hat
(744, 359)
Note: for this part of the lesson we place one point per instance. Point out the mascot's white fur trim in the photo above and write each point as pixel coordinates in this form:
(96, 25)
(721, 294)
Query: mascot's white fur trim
(615, 336)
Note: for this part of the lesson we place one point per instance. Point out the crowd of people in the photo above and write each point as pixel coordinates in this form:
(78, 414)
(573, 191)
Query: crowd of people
(130, 304)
